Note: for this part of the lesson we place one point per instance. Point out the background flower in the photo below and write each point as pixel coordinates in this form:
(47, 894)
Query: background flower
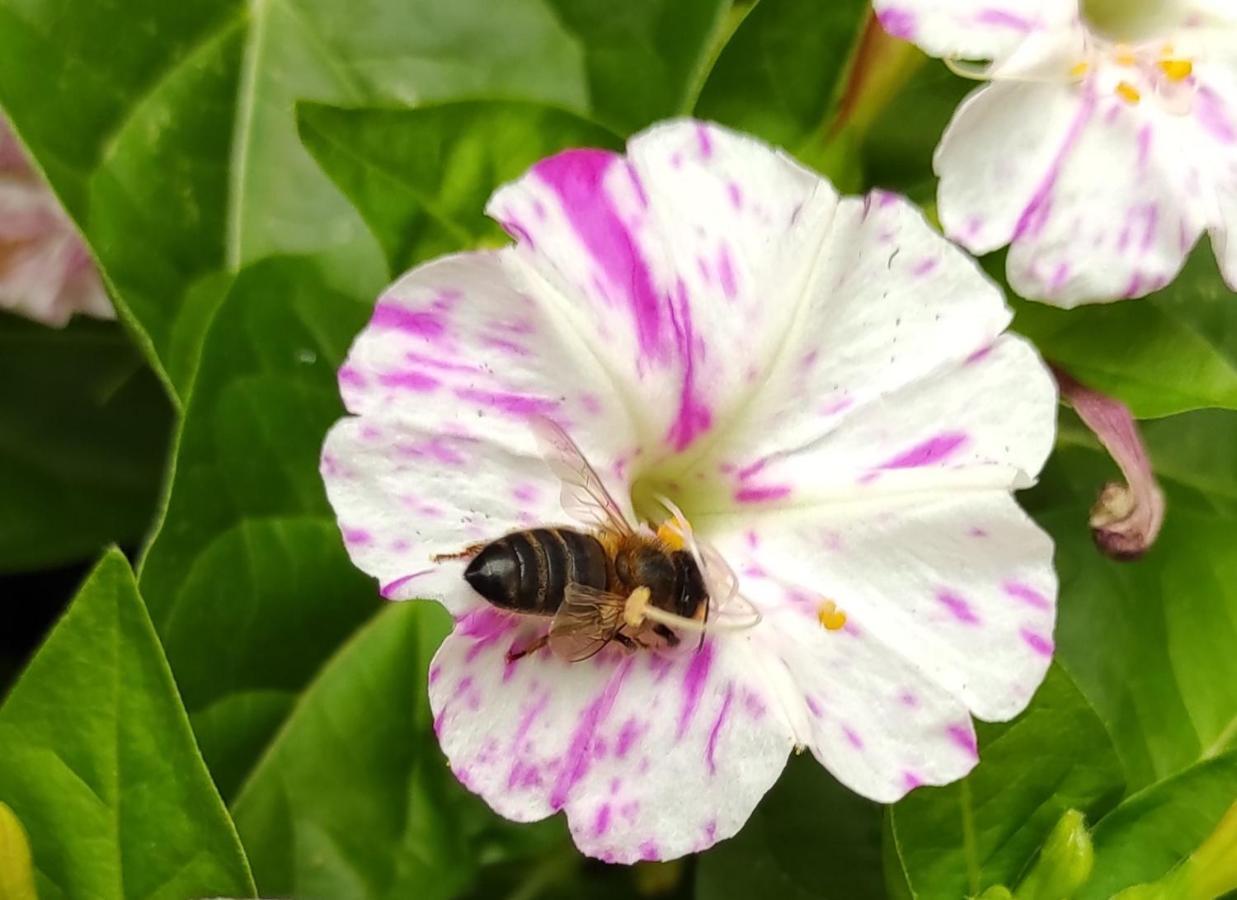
(820, 384)
(1099, 155)
(46, 272)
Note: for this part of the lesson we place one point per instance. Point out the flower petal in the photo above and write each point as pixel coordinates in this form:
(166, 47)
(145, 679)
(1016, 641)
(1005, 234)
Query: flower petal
(650, 755)
(891, 303)
(674, 257)
(1215, 121)
(46, 273)
(444, 379)
(970, 30)
(1099, 207)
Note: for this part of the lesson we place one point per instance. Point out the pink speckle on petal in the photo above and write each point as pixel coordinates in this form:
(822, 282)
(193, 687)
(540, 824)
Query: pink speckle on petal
(649, 851)
(762, 494)
(601, 824)
(853, 737)
(694, 679)
(958, 607)
(934, 450)
(964, 738)
(911, 781)
(578, 758)
(1027, 594)
(716, 730)
(1037, 642)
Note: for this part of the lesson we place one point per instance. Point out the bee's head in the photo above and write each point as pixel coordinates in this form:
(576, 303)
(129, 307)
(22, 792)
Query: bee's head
(691, 595)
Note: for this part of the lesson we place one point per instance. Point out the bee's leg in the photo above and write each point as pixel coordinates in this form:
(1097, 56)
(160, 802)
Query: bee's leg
(467, 553)
(513, 655)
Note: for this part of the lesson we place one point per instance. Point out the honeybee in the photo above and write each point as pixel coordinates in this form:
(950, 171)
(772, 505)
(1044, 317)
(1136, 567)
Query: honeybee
(612, 582)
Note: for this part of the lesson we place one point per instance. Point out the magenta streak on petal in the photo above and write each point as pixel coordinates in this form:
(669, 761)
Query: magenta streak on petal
(578, 178)
(511, 348)
(387, 591)
(357, 537)
(725, 273)
(716, 730)
(1035, 215)
(649, 851)
(736, 195)
(1037, 642)
(1002, 19)
(762, 494)
(390, 316)
(601, 824)
(514, 404)
(958, 607)
(576, 761)
(853, 737)
(352, 378)
(627, 737)
(1026, 594)
(430, 362)
(964, 738)
(898, 22)
(911, 781)
(637, 186)
(1213, 117)
(813, 707)
(1144, 146)
(487, 626)
(924, 267)
(518, 752)
(748, 471)
(694, 680)
(704, 140)
(694, 418)
(518, 231)
(417, 382)
(931, 451)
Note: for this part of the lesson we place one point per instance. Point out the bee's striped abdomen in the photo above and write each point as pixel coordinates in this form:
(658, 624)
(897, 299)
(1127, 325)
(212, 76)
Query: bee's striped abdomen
(528, 571)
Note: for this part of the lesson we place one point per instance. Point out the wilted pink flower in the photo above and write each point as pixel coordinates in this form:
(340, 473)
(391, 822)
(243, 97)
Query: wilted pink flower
(46, 272)
(821, 383)
(1099, 154)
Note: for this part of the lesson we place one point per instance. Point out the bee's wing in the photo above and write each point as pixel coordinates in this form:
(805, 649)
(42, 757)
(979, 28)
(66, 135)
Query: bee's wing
(584, 496)
(719, 577)
(587, 620)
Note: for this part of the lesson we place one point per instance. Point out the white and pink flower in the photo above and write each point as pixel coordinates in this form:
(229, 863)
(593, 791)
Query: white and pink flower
(822, 384)
(46, 272)
(1104, 145)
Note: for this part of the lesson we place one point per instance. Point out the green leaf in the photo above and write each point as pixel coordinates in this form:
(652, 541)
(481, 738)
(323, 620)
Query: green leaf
(83, 435)
(354, 799)
(1173, 352)
(809, 839)
(782, 72)
(98, 761)
(175, 148)
(957, 840)
(421, 177)
(1149, 642)
(642, 58)
(248, 582)
(1153, 831)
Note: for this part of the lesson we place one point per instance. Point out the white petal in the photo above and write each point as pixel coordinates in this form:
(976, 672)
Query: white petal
(891, 303)
(965, 28)
(1214, 121)
(46, 274)
(950, 604)
(444, 380)
(684, 259)
(651, 756)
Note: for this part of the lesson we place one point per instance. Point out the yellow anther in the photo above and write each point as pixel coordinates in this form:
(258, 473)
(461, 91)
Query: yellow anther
(1176, 69)
(1080, 69)
(668, 533)
(831, 618)
(1128, 93)
(1125, 56)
